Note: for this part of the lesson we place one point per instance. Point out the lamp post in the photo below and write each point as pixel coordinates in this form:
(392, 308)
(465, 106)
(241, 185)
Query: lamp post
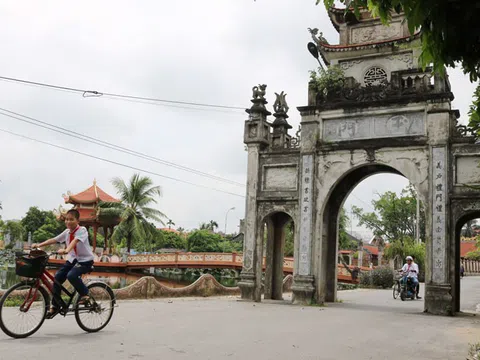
(226, 215)
(225, 233)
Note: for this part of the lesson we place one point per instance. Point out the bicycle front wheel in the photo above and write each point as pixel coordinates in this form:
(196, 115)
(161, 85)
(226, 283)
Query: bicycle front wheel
(22, 310)
(97, 315)
(396, 290)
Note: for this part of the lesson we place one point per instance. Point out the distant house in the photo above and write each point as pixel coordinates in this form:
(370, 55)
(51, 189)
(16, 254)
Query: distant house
(466, 247)
(169, 230)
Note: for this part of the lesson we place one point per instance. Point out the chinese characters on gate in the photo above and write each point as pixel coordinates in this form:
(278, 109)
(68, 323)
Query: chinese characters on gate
(306, 213)
(438, 223)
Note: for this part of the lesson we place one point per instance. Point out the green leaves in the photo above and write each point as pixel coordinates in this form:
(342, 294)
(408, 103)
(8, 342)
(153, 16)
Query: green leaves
(450, 32)
(134, 213)
(394, 217)
(329, 81)
(474, 112)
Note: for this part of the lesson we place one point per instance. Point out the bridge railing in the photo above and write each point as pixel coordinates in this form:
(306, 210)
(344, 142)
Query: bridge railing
(184, 259)
(198, 259)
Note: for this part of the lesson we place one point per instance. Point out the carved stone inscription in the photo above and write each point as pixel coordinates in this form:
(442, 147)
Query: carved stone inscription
(366, 34)
(438, 224)
(306, 197)
(379, 126)
(467, 169)
(280, 177)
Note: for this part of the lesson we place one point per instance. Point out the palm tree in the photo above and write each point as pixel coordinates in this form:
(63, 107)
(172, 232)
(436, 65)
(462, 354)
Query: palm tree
(468, 228)
(209, 226)
(170, 223)
(134, 210)
(213, 225)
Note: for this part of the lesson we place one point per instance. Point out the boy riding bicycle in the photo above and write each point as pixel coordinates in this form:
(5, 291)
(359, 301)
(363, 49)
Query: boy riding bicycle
(79, 260)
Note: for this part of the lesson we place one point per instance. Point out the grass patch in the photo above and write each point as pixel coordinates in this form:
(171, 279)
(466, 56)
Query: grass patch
(474, 352)
(318, 305)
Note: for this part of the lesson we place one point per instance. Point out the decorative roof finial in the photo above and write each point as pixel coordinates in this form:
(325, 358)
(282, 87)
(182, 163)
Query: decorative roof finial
(281, 108)
(280, 105)
(259, 101)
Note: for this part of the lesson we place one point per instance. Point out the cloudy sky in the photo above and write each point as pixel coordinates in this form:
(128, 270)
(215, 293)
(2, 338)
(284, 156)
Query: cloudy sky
(209, 51)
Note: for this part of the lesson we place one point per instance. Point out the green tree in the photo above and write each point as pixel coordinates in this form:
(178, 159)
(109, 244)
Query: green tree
(212, 225)
(467, 230)
(171, 240)
(50, 228)
(134, 210)
(289, 239)
(15, 229)
(204, 241)
(399, 250)
(394, 216)
(345, 241)
(449, 33)
(170, 223)
(34, 219)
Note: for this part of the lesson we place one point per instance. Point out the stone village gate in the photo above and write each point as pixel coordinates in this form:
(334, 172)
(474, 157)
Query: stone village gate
(389, 117)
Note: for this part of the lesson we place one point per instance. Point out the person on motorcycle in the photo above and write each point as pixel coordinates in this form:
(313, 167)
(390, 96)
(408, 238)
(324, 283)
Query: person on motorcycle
(410, 269)
(418, 286)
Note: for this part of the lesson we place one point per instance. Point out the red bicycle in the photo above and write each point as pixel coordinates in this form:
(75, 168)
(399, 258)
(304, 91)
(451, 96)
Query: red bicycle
(24, 306)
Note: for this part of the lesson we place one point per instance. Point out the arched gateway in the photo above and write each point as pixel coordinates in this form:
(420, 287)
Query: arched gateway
(390, 116)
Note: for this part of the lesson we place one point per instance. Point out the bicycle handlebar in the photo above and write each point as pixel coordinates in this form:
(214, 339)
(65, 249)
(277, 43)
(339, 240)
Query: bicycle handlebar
(35, 248)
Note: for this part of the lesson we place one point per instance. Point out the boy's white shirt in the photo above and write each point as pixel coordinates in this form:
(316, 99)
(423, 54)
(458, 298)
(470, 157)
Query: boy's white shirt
(84, 251)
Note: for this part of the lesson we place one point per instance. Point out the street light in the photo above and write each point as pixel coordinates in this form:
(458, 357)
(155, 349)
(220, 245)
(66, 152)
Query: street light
(226, 215)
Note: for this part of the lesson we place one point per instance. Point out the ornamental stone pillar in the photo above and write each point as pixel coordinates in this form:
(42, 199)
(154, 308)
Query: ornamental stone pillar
(256, 137)
(303, 279)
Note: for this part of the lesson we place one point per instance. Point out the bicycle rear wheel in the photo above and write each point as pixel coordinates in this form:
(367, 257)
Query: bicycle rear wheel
(95, 317)
(23, 309)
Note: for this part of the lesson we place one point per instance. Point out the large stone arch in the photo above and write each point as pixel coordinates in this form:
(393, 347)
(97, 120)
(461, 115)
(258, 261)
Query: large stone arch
(404, 125)
(463, 210)
(336, 187)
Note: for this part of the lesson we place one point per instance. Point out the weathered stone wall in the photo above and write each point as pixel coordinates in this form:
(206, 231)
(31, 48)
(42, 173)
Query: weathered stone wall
(148, 288)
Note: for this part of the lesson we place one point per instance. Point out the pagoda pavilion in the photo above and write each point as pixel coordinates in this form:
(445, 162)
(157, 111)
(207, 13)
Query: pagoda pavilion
(86, 202)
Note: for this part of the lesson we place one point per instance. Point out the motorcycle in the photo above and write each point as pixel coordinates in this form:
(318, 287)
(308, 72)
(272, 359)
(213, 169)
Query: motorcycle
(407, 288)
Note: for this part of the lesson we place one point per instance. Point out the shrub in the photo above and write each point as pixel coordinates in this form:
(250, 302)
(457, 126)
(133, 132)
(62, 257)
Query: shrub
(327, 82)
(379, 277)
(474, 352)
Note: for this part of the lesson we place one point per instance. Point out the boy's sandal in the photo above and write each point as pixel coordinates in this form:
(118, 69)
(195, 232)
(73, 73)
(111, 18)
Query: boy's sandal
(52, 313)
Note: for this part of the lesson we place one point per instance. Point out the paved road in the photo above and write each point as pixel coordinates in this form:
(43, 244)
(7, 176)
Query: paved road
(470, 294)
(366, 324)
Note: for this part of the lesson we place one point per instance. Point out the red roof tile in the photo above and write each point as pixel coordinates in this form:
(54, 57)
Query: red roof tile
(92, 195)
(466, 247)
(169, 230)
(371, 249)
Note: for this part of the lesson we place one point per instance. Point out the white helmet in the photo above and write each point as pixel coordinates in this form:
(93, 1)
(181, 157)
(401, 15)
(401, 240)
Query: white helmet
(409, 258)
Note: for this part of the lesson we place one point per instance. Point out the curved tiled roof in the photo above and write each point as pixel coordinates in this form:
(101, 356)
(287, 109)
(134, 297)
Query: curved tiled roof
(91, 195)
(371, 249)
(328, 47)
(324, 47)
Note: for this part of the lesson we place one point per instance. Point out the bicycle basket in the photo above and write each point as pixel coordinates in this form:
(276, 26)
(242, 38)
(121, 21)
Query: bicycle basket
(31, 265)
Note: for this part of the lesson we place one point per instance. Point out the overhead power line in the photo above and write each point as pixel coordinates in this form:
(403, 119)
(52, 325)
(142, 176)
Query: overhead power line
(74, 134)
(95, 93)
(117, 163)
